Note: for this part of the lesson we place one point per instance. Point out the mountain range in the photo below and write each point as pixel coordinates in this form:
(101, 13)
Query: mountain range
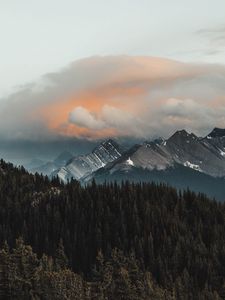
(183, 160)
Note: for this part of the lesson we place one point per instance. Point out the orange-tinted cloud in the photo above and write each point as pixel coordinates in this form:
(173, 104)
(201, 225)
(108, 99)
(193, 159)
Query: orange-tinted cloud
(99, 97)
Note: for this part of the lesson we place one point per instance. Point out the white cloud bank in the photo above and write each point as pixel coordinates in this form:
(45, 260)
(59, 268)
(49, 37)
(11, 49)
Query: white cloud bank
(117, 95)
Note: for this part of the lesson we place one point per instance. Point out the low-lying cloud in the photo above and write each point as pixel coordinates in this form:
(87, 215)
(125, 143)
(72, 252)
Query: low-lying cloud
(117, 96)
(109, 117)
(83, 118)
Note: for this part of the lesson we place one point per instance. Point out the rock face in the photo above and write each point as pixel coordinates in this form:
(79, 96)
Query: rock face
(217, 133)
(205, 155)
(217, 138)
(202, 155)
(184, 160)
(84, 165)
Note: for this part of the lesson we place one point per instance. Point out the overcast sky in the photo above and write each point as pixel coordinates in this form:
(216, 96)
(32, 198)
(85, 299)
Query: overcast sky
(42, 36)
(94, 69)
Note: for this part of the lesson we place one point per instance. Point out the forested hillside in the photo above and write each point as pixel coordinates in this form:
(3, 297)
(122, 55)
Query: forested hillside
(108, 241)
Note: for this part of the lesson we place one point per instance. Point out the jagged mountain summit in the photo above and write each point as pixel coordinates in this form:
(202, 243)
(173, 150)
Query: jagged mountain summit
(184, 160)
(217, 138)
(84, 165)
(181, 148)
(199, 154)
(205, 155)
(217, 133)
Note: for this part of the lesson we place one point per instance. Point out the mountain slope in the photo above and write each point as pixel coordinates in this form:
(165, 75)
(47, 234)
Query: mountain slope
(217, 139)
(178, 176)
(184, 160)
(197, 153)
(217, 133)
(181, 148)
(83, 165)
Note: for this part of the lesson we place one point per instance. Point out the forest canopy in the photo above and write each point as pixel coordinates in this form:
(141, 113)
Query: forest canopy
(107, 241)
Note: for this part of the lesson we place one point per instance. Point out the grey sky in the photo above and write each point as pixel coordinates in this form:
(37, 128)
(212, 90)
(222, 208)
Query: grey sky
(42, 36)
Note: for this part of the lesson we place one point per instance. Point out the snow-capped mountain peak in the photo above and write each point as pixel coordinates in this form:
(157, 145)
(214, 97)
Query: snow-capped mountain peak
(82, 165)
(182, 148)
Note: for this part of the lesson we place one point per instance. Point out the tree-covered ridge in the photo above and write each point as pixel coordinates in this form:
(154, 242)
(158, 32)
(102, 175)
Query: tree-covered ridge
(25, 276)
(175, 240)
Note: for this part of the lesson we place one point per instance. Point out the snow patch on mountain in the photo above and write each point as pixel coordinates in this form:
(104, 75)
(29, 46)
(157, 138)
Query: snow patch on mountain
(62, 174)
(130, 162)
(222, 152)
(192, 166)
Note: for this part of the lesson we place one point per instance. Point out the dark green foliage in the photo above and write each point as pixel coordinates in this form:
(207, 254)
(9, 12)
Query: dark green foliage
(61, 261)
(24, 276)
(171, 245)
(121, 277)
(31, 278)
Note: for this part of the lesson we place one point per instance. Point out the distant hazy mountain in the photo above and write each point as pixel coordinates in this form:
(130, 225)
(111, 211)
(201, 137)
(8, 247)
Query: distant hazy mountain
(49, 167)
(33, 164)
